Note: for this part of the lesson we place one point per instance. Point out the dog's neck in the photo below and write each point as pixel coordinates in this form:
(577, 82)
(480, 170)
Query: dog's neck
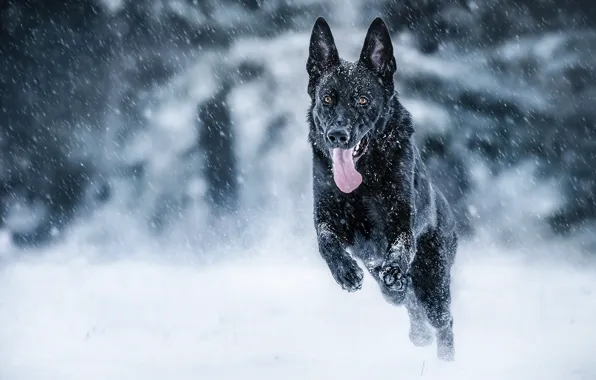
(396, 123)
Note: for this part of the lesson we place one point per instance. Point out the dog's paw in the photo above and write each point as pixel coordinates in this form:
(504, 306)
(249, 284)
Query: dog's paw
(393, 277)
(420, 335)
(445, 347)
(347, 273)
(446, 353)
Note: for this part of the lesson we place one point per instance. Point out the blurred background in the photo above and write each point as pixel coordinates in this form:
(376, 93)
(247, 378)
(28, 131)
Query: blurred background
(170, 116)
(156, 194)
(184, 120)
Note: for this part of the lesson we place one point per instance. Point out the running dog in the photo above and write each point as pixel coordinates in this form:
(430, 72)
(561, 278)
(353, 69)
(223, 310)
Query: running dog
(373, 198)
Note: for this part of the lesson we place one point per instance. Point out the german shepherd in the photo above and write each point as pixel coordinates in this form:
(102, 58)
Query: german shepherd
(373, 198)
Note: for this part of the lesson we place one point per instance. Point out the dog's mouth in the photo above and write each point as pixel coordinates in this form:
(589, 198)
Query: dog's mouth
(360, 148)
(344, 161)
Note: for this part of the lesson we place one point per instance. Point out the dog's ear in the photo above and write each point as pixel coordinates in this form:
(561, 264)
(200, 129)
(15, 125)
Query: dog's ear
(322, 53)
(377, 52)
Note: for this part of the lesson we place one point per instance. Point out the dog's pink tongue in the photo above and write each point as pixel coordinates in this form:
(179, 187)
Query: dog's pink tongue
(344, 173)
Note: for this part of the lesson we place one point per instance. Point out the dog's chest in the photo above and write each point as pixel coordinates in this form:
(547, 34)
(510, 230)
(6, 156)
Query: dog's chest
(365, 221)
(362, 215)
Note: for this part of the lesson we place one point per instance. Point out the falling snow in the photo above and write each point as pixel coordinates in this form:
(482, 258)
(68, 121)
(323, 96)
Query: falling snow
(156, 194)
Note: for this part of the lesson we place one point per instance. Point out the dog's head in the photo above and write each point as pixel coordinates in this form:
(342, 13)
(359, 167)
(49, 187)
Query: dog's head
(349, 100)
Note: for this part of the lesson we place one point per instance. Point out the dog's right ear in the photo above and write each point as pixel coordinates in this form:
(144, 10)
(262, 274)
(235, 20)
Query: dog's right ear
(322, 53)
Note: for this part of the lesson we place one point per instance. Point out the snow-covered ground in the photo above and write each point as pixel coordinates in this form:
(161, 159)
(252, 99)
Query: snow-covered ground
(281, 316)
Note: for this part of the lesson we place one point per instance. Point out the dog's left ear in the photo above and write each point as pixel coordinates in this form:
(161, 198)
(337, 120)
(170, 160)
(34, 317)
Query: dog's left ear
(377, 52)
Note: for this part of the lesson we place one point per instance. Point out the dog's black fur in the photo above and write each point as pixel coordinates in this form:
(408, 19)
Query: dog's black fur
(396, 222)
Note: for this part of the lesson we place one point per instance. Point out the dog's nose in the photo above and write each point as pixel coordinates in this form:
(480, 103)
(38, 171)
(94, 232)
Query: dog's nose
(338, 137)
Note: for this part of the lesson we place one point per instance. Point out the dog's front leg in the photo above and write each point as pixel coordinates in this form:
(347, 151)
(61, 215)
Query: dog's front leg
(343, 267)
(401, 251)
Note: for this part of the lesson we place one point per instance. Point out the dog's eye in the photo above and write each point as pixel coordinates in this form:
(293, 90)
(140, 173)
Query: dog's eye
(362, 100)
(327, 99)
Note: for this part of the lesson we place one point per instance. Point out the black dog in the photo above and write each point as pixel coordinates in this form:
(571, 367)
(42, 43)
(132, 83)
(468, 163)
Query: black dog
(372, 195)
